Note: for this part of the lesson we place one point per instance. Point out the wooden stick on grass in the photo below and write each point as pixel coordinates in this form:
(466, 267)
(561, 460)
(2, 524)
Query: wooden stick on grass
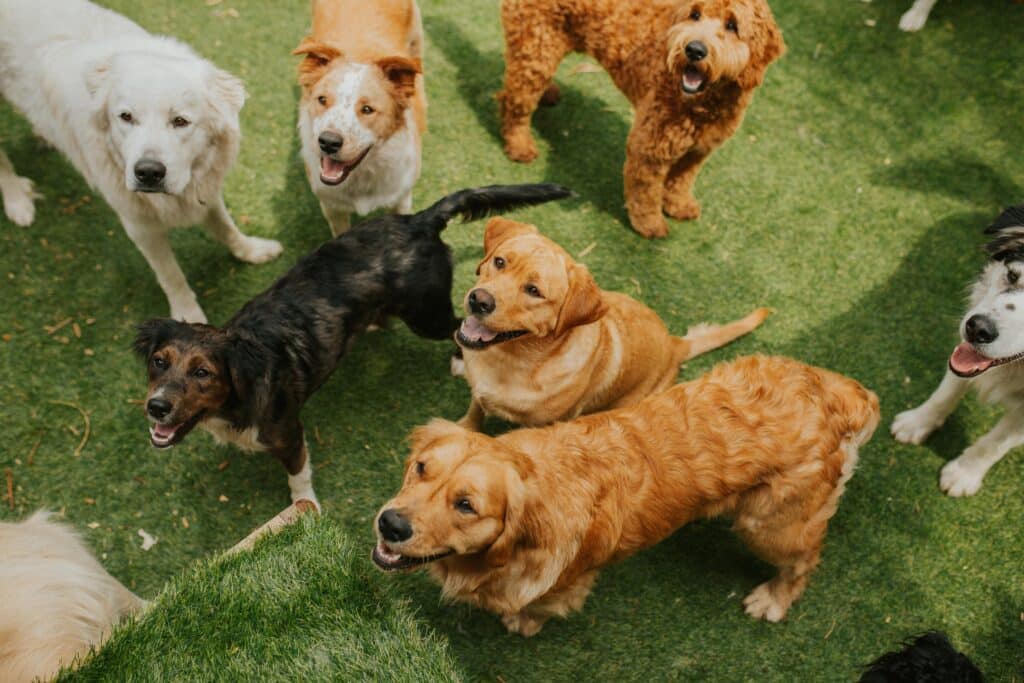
(85, 416)
(289, 515)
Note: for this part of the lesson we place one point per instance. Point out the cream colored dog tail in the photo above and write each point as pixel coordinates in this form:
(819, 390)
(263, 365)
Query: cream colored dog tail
(704, 337)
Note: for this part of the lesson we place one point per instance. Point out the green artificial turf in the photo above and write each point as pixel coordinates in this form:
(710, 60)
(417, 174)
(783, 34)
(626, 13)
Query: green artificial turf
(851, 201)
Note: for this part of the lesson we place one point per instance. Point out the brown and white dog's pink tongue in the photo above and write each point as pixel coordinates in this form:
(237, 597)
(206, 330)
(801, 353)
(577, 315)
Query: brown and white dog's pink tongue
(164, 431)
(967, 361)
(332, 169)
(474, 330)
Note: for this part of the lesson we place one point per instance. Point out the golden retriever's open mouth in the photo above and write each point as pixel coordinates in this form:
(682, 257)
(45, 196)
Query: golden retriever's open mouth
(473, 334)
(335, 172)
(165, 436)
(391, 561)
(967, 361)
(693, 80)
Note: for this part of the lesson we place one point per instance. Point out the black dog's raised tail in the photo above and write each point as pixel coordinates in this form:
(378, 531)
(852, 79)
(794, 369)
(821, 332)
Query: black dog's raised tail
(480, 202)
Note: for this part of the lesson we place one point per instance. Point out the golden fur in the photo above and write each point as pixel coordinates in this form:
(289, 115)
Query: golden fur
(642, 45)
(585, 349)
(769, 442)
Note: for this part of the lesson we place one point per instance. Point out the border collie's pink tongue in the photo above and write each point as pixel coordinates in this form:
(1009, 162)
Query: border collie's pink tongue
(966, 361)
(332, 171)
(476, 331)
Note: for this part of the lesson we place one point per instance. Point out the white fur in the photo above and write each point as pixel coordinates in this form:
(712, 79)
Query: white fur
(73, 68)
(57, 601)
(993, 296)
(915, 18)
(222, 432)
(384, 179)
(301, 484)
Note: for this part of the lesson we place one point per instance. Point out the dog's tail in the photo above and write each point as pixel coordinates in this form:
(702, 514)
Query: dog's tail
(703, 338)
(480, 202)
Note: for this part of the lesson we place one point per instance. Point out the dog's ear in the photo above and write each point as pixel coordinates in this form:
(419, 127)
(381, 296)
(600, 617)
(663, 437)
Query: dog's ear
(500, 230)
(401, 72)
(97, 84)
(244, 364)
(584, 302)
(766, 45)
(424, 436)
(318, 56)
(226, 94)
(152, 334)
(520, 528)
(1008, 230)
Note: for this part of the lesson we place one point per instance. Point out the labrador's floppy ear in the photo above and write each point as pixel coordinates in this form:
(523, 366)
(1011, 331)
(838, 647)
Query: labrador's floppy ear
(318, 56)
(584, 302)
(499, 230)
(520, 528)
(424, 436)
(401, 72)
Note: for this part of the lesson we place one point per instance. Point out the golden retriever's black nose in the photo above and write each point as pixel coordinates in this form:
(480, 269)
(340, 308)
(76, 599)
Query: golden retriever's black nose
(980, 329)
(696, 51)
(158, 407)
(394, 527)
(481, 302)
(329, 142)
(150, 172)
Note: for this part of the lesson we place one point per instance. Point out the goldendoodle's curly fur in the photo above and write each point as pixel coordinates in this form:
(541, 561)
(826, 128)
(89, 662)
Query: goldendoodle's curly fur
(688, 67)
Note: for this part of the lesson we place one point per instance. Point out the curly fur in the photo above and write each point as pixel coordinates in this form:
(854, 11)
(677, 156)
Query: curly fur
(642, 45)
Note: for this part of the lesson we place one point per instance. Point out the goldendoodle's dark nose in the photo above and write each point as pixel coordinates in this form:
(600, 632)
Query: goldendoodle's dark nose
(150, 172)
(158, 407)
(696, 51)
(980, 329)
(330, 142)
(394, 527)
(481, 302)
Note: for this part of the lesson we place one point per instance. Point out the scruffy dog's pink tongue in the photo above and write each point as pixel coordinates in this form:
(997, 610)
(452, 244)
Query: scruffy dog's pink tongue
(967, 361)
(331, 168)
(475, 330)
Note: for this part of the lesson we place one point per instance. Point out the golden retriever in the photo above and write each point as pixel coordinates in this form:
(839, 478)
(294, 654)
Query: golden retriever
(521, 524)
(542, 343)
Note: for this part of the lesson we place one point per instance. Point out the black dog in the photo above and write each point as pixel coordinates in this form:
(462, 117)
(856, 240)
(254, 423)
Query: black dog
(246, 382)
(928, 658)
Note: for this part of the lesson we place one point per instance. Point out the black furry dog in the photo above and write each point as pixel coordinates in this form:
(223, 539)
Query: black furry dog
(927, 658)
(246, 383)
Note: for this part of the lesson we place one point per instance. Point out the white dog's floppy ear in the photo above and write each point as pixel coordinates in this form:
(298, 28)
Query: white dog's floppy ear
(226, 95)
(97, 84)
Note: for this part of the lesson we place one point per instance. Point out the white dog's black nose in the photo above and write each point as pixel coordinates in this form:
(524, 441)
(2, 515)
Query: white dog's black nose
(696, 51)
(329, 142)
(158, 407)
(980, 329)
(150, 172)
(481, 302)
(393, 526)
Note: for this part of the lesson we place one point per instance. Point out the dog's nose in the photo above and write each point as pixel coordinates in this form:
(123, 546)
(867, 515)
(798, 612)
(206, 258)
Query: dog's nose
(150, 172)
(980, 329)
(329, 142)
(394, 527)
(696, 51)
(158, 407)
(481, 302)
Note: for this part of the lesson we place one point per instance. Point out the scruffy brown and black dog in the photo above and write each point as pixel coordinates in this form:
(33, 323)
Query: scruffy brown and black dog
(688, 67)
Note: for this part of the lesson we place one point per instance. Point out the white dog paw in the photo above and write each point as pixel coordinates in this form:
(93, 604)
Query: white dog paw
(958, 479)
(258, 250)
(762, 604)
(18, 204)
(913, 426)
(188, 311)
(913, 20)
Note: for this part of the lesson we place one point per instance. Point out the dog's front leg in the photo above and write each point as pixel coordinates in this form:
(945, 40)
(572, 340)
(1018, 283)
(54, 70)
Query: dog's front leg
(679, 201)
(152, 241)
(645, 176)
(294, 455)
(914, 426)
(339, 219)
(243, 247)
(963, 476)
(473, 420)
(17, 194)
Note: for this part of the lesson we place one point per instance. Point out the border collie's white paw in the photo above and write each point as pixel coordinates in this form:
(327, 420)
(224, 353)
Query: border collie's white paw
(258, 250)
(959, 479)
(18, 201)
(914, 426)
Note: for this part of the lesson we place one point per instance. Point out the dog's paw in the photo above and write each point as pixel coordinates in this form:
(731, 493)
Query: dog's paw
(188, 311)
(913, 20)
(681, 208)
(519, 146)
(18, 201)
(762, 603)
(522, 624)
(258, 250)
(650, 226)
(914, 426)
(960, 479)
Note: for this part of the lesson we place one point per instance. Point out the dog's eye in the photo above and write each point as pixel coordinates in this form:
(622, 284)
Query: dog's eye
(695, 15)
(367, 109)
(126, 116)
(420, 468)
(179, 122)
(200, 373)
(1012, 276)
(731, 26)
(532, 291)
(464, 506)
(322, 100)
(499, 262)
(160, 364)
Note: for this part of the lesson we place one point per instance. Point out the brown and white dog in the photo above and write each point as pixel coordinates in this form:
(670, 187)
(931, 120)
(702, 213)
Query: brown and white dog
(543, 343)
(521, 524)
(363, 110)
(689, 68)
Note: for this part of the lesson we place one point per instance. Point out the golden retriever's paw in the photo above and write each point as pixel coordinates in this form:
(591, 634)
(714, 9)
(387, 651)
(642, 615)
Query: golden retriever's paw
(522, 624)
(681, 208)
(650, 226)
(914, 426)
(961, 478)
(764, 603)
(519, 146)
(18, 204)
(187, 310)
(258, 250)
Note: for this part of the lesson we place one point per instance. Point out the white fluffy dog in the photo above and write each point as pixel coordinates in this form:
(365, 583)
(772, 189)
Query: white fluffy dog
(987, 361)
(58, 602)
(151, 125)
